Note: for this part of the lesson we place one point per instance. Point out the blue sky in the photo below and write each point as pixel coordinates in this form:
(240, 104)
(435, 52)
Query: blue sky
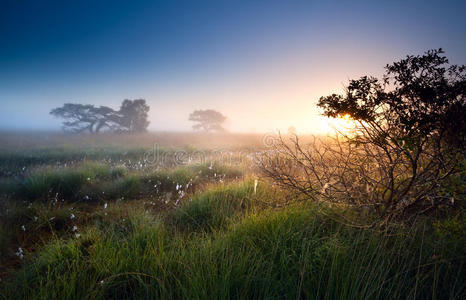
(262, 63)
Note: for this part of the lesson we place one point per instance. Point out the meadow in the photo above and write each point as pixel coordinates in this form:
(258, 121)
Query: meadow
(188, 216)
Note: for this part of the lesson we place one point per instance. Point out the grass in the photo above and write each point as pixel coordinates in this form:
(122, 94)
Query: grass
(213, 208)
(65, 183)
(293, 253)
(101, 227)
(94, 181)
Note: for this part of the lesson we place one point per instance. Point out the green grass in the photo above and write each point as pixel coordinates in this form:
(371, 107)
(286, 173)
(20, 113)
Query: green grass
(201, 232)
(99, 181)
(296, 252)
(213, 208)
(65, 183)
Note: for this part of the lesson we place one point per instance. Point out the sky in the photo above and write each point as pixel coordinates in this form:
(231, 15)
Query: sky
(263, 64)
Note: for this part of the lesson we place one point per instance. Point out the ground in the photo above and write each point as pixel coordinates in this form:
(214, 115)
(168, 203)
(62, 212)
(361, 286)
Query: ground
(178, 215)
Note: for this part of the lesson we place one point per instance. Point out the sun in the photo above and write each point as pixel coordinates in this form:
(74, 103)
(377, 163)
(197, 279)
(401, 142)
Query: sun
(343, 124)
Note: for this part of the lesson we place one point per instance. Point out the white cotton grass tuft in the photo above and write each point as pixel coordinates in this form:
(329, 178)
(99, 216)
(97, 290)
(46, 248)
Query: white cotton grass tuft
(74, 228)
(23, 228)
(72, 216)
(20, 253)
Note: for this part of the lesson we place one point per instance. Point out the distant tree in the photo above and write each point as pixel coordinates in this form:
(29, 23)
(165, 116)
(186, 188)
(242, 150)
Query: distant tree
(107, 119)
(79, 117)
(132, 117)
(292, 130)
(207, 120)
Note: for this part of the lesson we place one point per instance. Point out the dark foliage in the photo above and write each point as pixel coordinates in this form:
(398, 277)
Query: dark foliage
(406, 145)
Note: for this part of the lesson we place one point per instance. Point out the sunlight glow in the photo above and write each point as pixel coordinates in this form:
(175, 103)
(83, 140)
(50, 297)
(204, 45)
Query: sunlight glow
(343, 124)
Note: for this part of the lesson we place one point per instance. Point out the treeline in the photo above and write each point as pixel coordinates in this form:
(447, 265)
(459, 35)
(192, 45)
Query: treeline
(132, 117)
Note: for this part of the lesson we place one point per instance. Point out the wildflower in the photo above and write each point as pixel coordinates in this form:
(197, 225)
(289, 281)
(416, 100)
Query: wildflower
(88, 179)
(74, 228)
(72, 216)
(77, 235)
(105, 205)
(36, 218)
(23, 228)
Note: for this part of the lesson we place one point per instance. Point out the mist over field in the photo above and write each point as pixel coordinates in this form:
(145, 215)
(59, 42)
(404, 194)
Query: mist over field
(232, 149)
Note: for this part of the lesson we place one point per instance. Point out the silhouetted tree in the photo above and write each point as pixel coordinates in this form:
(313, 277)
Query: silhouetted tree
(419, 97)
(132, 117)
(79, 117)
(207, 120)
(408, 141)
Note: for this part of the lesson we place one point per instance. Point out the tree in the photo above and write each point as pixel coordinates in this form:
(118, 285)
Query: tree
(292, 130)
(80, 117)
(132, 117)
(207, 120)
(408, 141)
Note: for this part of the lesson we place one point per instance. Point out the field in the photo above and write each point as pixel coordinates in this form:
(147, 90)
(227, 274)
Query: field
(179, 215)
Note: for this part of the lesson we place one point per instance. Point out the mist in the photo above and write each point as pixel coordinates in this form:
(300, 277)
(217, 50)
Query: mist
(263, 66)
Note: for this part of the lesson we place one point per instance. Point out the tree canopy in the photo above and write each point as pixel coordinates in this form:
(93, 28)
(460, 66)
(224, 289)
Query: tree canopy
(131, 117)
(419, 96)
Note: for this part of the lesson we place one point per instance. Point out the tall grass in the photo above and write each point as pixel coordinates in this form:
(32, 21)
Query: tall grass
(218, 235)
(65, 182)
(94, 181)
(213, 208)
(293, 253)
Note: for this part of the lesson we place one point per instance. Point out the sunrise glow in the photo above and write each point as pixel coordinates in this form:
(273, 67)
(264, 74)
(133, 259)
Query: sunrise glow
(342, 124)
